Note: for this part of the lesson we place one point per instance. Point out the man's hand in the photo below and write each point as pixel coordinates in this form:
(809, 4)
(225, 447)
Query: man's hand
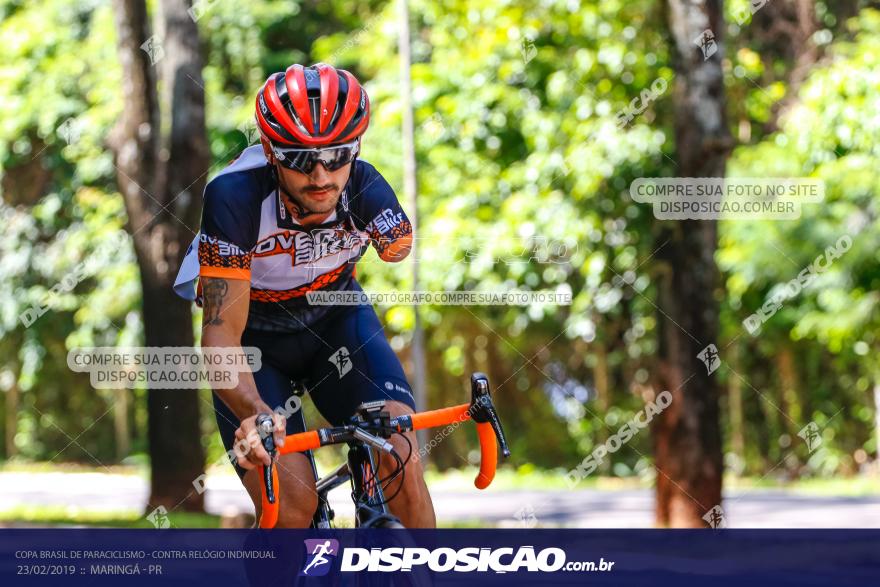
(249, 444)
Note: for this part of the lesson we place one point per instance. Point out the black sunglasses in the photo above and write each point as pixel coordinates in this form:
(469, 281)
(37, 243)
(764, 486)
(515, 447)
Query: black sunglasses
(304, 160)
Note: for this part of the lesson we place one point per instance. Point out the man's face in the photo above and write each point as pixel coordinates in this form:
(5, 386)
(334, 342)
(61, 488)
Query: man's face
(318, 191)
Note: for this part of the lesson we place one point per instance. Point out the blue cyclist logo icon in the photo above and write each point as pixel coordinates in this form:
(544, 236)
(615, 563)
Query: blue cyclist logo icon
(320, 553)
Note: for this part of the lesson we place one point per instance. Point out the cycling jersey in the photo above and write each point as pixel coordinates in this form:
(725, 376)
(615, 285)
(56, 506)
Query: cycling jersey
(248, 233)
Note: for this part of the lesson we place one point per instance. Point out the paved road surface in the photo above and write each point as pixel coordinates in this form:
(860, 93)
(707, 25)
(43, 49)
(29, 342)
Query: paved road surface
(583, 508)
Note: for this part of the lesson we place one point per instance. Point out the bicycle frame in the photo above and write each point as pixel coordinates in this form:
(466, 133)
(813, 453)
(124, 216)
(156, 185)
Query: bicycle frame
(360, 459)
(372, 509)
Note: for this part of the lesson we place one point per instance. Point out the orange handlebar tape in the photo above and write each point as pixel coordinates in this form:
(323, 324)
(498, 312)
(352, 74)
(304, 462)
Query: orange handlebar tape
(440, 417)
(488, 455)
(300, 442)
(269, 512)
(310, 440)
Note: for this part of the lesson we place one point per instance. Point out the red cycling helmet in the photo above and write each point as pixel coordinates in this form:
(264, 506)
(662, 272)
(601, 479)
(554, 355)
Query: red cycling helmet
(311, 107)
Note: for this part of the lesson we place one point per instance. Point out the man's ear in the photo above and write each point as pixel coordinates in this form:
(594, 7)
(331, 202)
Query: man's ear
(267, 150)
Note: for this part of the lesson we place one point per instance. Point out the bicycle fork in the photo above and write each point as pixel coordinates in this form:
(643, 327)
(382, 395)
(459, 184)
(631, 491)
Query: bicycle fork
(364, 477)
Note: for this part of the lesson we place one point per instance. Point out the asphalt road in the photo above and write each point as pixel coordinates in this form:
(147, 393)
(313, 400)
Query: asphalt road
(582, 508)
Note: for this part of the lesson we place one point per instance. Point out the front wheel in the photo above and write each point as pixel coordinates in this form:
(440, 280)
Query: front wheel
(395, 524)
(381, 520)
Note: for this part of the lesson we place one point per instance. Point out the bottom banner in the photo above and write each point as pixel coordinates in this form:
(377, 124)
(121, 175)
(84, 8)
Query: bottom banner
(799, 558)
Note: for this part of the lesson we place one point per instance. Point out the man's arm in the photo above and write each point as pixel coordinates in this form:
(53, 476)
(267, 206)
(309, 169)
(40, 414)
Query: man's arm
(225, 306)
(395, 251)
(378, 213)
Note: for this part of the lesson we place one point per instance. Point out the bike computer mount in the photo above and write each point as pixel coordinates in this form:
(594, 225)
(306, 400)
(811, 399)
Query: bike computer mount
(374, 413)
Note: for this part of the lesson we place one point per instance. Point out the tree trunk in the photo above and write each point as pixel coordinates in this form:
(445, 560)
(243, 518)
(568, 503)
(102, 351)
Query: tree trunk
(600, 380)
(687, 436)
(790, 387)
(783, 31)
(877, 421)
(734, 390)
(12, 407)
(772, 428)
(121, 429)
(160, 178)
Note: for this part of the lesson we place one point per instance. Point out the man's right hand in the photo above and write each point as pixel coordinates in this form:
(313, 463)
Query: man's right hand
(249, 444)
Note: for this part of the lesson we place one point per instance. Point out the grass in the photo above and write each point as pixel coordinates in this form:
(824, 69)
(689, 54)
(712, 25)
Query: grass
(59, 516)
(527, 477)
(840, 486)
(17, 466)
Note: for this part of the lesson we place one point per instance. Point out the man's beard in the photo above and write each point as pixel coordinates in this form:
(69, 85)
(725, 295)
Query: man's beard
(301, 201)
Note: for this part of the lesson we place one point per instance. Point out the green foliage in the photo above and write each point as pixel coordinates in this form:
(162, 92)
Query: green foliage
(831, 134)
(523, 185)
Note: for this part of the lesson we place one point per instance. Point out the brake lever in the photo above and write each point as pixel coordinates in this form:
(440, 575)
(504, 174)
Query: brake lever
(266, 427)
(483, 409)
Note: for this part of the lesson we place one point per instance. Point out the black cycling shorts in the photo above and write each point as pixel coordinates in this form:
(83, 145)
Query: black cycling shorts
(344, 360)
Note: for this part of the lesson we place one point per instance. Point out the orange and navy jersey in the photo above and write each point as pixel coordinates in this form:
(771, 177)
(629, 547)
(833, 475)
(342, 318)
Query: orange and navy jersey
(248, 233)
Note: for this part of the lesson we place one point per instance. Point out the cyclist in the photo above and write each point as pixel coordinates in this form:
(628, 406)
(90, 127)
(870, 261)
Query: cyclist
(288, 217)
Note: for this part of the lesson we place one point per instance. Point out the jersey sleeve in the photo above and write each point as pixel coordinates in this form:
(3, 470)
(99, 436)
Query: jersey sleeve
(228, 231)
(378, 213)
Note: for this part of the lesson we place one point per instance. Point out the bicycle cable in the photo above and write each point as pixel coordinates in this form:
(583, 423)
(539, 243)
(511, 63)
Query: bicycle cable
(399, 470)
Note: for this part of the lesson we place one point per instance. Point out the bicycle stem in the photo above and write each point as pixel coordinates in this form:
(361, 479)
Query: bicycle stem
(374, 441)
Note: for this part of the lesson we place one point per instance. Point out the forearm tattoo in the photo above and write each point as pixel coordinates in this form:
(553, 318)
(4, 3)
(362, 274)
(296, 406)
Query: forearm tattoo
(214, 292)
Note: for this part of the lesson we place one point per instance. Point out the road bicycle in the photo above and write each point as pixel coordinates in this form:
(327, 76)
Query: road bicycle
(367, 432)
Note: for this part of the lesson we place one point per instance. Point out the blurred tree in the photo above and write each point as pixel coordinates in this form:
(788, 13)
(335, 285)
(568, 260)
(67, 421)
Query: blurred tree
(66, 270)
(161, 178)
(687, 435)
(830, 327)
(523, 175)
